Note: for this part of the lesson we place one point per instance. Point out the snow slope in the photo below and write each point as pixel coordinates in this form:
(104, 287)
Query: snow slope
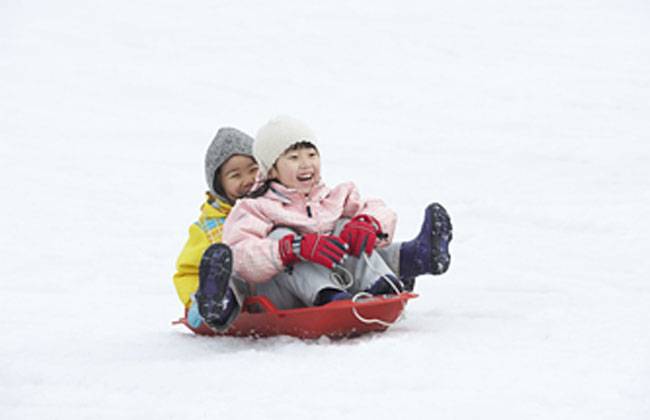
(527, 119)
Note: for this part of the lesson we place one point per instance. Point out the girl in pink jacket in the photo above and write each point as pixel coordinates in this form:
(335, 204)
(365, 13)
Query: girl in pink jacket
(301, 243)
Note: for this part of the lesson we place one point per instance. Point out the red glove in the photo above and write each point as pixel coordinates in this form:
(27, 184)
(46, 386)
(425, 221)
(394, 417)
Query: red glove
(361, 234)
(326, 250)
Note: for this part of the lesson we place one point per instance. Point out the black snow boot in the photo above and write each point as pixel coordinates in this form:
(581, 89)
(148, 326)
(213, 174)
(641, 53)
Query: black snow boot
(385, 285)
(409, 283)
(328, 295)
(216, 301)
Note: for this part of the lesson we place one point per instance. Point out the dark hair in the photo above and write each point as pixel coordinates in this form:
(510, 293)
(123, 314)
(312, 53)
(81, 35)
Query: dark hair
(261, 190)
(218, 188)
(266, 185)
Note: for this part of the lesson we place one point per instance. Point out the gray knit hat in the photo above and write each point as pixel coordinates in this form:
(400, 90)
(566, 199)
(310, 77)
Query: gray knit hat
(227, 143)
(276, 136)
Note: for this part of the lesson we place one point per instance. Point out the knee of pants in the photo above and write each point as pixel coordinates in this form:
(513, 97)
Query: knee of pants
(338, 227)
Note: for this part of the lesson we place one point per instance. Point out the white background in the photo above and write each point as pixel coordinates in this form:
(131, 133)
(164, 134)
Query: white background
(528, 120)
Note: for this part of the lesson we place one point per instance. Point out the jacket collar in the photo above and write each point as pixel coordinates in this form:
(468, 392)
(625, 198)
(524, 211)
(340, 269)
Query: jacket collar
(215, 207)
(286, 195)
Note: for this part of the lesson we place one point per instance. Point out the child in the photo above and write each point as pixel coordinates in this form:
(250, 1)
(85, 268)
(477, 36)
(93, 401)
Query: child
(302, 244)
(202, 278)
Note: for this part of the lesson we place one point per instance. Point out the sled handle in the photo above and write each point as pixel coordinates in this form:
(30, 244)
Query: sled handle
(263, 301)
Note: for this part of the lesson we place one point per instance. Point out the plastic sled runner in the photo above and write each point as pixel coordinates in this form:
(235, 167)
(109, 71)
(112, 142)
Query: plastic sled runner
(260, 318)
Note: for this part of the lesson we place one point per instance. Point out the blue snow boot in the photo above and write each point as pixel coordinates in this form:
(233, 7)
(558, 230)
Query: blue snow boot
(216, 301)
(428, 253)
(387, 284)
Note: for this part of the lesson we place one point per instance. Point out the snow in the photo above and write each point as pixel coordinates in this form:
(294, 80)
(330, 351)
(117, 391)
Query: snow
(527, 119)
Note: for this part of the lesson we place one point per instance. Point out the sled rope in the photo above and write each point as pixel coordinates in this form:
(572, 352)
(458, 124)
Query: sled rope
(343, 277)
(361, 295)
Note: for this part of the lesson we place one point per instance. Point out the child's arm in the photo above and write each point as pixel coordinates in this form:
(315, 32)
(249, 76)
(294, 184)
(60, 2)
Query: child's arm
(256, 257)
(355, 205)
(186, 278)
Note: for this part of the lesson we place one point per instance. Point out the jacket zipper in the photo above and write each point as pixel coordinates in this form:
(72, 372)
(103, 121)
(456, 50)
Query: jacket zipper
(309, 214)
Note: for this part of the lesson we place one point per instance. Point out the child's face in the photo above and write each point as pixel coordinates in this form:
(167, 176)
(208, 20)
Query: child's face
(237, 176)
(298, 169)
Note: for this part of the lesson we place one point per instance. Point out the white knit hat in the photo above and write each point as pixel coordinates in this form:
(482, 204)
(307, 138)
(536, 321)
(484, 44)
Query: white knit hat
(276, 136)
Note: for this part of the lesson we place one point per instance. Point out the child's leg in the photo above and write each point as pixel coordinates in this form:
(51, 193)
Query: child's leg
(428, 253)
(219, 297)
(373, 269)
(390, 255)
(300, 287)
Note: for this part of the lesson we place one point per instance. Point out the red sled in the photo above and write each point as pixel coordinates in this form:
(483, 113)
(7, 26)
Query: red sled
(347, 318)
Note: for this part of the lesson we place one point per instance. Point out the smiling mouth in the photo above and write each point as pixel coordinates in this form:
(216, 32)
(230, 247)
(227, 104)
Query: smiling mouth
(305, 178)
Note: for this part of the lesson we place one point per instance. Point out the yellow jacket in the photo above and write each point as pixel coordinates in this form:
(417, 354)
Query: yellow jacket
(203, 233)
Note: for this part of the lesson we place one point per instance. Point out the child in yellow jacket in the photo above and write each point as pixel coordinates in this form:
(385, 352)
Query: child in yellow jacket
(207, 296)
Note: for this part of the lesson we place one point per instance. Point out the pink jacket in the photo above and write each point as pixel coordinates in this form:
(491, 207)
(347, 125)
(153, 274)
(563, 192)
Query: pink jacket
(256, 256)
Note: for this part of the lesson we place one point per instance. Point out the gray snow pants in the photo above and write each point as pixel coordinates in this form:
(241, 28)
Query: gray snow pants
(301, 287)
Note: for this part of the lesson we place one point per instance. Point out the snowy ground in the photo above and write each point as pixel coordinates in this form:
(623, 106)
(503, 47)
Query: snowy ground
(529, 120)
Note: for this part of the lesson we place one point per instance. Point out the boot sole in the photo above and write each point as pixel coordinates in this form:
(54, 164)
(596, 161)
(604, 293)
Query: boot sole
(441, 235)
(215, 268)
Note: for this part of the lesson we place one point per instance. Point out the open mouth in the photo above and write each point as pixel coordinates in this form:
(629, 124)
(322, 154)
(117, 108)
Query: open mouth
(305, 178)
